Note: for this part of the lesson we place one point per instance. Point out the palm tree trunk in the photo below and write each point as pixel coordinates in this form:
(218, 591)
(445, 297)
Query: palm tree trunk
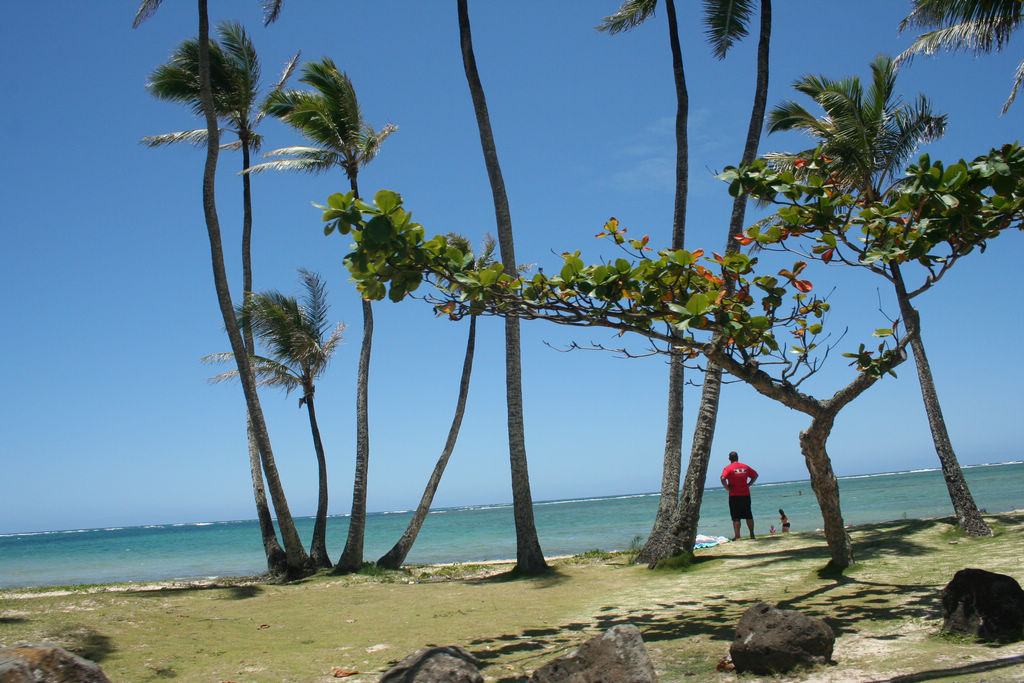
(826, 488)
(297, 559)
(673, 454)
(967, 514)
(318, 546)
(394, 558)
(275, 555)
(683, 530)
(529, 557)
(654, 546)
(277, 562)
(687, 516)
(352, 556)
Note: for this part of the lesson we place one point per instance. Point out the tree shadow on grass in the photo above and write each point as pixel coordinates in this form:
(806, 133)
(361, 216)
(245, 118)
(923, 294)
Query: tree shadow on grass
(846, 603)
(976, 668)
(12, 620)
(84, 641)
(552, 577)
(225, 592)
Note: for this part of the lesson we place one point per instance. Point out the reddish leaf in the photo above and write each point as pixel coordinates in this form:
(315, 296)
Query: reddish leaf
(827, 255)
(803, 285)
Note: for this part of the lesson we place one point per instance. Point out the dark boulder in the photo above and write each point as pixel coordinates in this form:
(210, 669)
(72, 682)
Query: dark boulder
(617, 655)
(772, 640)
(449, 664)
(985, 604)
(33, 663)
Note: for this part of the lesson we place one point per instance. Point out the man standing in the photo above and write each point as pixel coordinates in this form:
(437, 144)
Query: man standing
(737, 478)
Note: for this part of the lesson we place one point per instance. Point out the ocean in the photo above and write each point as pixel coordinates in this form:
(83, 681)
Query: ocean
(476, 533)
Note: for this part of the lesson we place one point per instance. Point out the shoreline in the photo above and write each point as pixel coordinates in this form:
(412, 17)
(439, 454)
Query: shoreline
(414, 569)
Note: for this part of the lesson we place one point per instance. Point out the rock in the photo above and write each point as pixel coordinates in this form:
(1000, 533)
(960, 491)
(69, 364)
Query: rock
(46, 663)
(772, 640)
(449, 664)
(985, 604)
(617, 655)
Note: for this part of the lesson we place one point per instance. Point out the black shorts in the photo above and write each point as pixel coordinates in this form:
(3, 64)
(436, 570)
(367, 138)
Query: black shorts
(739, 508)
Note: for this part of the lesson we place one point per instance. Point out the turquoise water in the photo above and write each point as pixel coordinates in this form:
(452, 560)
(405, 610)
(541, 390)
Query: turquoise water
(478, 533)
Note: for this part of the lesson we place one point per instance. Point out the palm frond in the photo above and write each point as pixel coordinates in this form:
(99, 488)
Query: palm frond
(286, 73)
(726, 23)
(368, 144)
(1018, 78)
(145, 11)
(790, 115)
(241, 71)
(193, 137)
(305, 159)
(271, 11)
(930, 13)
(631, 14)
(315, 301)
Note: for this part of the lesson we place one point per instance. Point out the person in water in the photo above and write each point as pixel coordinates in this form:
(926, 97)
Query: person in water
(737, 478)
(784, 521)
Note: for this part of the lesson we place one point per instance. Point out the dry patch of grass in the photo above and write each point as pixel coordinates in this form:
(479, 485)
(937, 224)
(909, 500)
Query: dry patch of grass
(885, 612)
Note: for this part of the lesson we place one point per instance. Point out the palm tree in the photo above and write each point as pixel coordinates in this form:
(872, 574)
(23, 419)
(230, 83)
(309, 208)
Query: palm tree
(330, 117)
(978, 26)
(394, 558)
(675, 524)
(726, 23)
(529, 557)
(297, 561)
(235, 77)
(300, 348)
(631, 14)
(867, 138)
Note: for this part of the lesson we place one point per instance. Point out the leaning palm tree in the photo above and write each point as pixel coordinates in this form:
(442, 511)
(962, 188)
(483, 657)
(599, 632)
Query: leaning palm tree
(235, 82)
(330, 117)
(675, 524)
(301, 344)
(394, 558)
(529, 557)
(296, 559)
(866, 138)
(978, 26)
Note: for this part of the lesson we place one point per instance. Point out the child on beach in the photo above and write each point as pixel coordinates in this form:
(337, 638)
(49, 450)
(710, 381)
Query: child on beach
(784, 521)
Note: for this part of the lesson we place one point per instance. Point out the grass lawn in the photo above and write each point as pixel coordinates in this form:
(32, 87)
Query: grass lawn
(885, 612)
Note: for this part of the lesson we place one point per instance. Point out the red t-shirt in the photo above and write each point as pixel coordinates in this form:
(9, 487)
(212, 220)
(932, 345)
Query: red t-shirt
(738, 475)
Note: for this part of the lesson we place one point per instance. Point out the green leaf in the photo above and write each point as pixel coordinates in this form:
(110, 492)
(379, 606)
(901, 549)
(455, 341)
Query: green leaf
(883, 332)
(339, 201)
(378, 230)
(683, 257)
(698, 303)
(387, 201)
(573, 265)
(760, 322)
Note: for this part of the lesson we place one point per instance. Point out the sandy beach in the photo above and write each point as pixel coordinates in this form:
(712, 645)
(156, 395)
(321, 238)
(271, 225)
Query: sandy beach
(885, 612)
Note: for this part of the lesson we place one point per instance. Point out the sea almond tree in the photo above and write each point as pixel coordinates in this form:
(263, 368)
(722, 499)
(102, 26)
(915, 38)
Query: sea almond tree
(678, 297)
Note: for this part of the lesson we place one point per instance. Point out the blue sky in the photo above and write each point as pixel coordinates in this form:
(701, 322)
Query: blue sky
(108, 419)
